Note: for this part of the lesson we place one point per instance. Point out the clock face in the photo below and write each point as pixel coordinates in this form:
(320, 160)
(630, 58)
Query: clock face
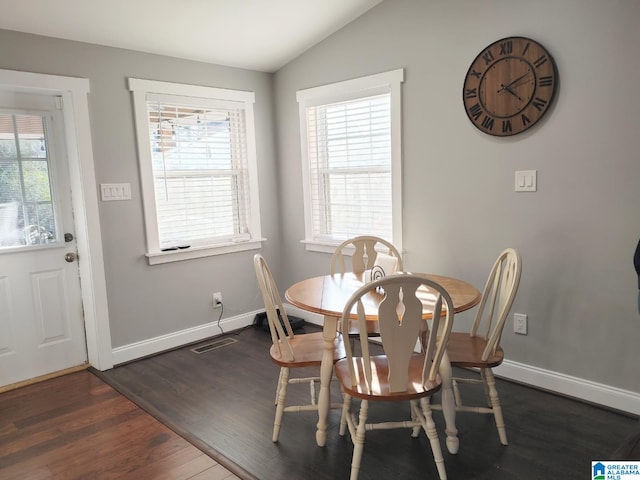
(509, 86)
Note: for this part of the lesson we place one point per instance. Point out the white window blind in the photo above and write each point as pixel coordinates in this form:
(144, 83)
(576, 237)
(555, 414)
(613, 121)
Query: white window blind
(350, 134)
(198, 169)
(199, 160)
(349, 148)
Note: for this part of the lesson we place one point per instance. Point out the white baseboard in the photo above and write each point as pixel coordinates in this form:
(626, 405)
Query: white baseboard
(586, 390)
(601, 394)
(151, 346)
(598, 393)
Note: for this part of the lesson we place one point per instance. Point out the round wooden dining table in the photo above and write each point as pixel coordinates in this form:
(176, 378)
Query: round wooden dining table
(327, 295)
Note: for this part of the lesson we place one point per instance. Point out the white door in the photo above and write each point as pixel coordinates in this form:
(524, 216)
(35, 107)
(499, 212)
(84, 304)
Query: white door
(41, 316)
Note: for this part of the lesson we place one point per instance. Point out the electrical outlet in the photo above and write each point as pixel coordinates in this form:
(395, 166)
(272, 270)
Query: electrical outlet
(520, 323)
(217, 299)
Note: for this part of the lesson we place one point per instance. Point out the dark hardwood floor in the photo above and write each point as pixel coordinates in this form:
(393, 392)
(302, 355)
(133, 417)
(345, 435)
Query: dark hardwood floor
(222, 401)
(78, 427)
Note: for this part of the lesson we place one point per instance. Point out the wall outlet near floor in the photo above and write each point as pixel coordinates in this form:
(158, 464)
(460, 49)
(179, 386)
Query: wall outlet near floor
(520, 323)
(217, 299)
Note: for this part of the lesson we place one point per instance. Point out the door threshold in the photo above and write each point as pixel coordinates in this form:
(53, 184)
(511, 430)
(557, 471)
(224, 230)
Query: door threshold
(42, 378)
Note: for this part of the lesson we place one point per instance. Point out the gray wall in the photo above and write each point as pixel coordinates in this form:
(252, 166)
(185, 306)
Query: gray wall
(576, 235)
(149, 301)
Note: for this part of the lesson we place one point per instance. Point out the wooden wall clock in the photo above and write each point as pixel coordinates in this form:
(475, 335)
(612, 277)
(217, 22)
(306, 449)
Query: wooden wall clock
(509, 86)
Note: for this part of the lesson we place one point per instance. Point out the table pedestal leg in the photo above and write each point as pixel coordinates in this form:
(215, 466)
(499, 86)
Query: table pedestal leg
(326, 372)
(448, 405)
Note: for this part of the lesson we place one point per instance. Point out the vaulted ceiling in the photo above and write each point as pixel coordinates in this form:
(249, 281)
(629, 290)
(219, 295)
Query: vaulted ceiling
(261, 35)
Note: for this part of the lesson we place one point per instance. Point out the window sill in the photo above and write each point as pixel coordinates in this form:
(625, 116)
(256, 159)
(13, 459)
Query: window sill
(157, 258)
(330, 246)
(319, 246)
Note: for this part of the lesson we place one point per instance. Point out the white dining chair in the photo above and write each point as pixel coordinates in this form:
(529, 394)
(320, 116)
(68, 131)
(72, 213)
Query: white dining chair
(479, 349)
(290, 351)
(400, 374)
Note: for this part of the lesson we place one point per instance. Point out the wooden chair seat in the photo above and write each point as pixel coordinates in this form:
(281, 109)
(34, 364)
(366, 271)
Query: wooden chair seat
(381, 388)
(466, 351)
(307, 350)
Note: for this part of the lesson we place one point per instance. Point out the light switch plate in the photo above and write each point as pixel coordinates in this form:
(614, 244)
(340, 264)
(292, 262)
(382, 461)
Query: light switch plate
(115, 191)
(526, 181)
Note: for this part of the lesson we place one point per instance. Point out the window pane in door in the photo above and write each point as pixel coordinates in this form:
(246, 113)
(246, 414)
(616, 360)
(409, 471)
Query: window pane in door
(26, 203)
(7, 147)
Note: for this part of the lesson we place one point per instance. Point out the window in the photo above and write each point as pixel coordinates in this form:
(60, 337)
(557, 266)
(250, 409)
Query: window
(27, 213)
(351, 154)
(198, 166)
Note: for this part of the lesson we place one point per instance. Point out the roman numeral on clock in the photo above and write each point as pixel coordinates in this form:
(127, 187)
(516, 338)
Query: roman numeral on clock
(487, 122)
(471, 92)
(506, 48)
(540, 61)
(475, 111)
(487, 57)
(539, 103)
(545, 81)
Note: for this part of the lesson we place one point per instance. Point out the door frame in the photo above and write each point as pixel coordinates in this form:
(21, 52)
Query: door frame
(74, 92)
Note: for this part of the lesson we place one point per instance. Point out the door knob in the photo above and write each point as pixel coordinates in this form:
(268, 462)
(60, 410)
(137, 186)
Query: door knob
(70, 257)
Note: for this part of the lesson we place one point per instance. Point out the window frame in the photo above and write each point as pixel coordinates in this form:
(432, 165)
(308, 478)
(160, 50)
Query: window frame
(140, 88)
(382, 83)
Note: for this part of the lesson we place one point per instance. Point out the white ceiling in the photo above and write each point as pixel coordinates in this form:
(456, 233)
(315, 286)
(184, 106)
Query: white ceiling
(259, 35)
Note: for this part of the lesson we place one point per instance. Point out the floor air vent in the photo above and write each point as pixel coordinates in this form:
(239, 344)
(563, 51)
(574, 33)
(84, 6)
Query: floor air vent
(213, 345)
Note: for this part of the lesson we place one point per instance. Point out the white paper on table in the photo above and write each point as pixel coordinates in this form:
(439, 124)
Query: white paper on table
(383, 266)
(388, 263)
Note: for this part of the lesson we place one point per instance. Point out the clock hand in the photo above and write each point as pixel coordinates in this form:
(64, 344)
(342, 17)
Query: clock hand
(513, 83)
(517, 79)
(506, 87)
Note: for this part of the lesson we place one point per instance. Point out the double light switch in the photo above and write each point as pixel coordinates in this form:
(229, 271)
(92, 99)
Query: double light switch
(526, 180)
